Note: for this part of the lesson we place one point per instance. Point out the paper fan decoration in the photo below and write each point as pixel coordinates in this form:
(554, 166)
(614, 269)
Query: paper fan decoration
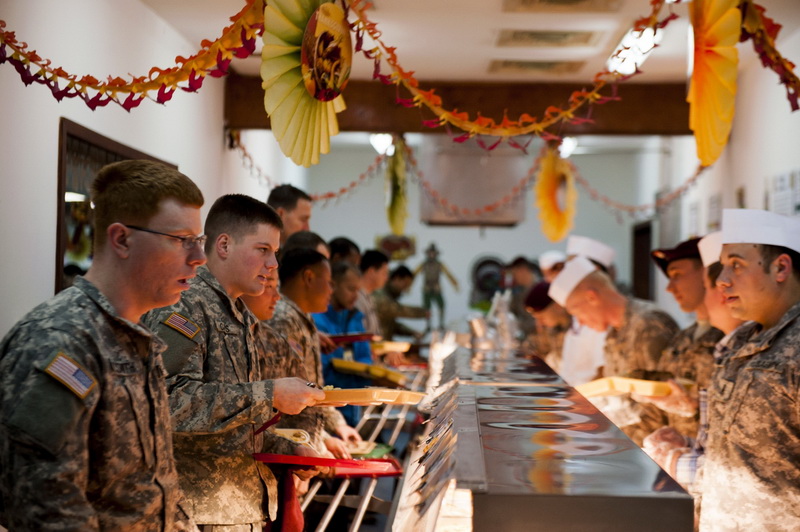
(555, 195)
(712, 93)
(305, 65)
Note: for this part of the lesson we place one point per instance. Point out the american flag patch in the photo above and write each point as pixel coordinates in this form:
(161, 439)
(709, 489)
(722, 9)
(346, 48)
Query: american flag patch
(70, 374)
(182, 325)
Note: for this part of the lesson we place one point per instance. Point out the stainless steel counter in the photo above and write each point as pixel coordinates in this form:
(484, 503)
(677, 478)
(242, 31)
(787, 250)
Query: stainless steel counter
(538, 456)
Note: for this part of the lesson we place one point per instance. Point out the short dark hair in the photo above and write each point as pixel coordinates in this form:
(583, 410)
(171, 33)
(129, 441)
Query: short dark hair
(373, 258)
(769, 253)
(341, 247)
(339, 269)
(131, 192)
(302, 239)
(286, 197)
(522, 262)
(401, 272)
(296, 261)
(238, 215)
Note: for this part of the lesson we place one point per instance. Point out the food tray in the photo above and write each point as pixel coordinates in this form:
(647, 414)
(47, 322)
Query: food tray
(620, 385)
(340, 339)
(370, 396)
(386, 467)
(369, 371)
(385, 346)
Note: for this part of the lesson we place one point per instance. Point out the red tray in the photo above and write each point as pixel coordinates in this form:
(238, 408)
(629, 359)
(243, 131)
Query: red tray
(384, 467)
(340, 339)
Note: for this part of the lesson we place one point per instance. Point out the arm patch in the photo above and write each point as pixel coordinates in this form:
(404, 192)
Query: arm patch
(70, 374)
(182, 324)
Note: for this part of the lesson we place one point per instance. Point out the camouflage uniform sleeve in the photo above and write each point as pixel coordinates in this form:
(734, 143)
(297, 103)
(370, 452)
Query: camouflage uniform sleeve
(653, 337)
(404, 330)
(407, 311)
(332, 418)
(44, 437)
(200, 406)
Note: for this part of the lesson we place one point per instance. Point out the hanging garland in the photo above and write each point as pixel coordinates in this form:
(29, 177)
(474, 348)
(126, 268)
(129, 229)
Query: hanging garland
(524, 124)
(396, 196)
(213, 59)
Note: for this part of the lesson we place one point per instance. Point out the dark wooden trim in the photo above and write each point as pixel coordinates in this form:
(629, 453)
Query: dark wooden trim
(68, 128)
(645, 109)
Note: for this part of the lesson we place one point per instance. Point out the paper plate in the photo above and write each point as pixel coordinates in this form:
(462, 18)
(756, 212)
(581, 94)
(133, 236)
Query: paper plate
(370, 396)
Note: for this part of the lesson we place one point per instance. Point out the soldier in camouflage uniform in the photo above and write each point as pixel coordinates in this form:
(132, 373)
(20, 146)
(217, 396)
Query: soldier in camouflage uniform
(691, 355)
(85, 438)
(552, 322)
(752, 465)
(218, 396)
(305, 277)
(389, 308)
(638, 332)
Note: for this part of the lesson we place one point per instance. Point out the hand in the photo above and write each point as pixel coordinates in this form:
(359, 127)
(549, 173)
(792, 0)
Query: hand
(306, 474)
(677, 402)
(326, 345)
(395, 358)
(664, 446)
(337, 448)
(348, 433)
(291, 395)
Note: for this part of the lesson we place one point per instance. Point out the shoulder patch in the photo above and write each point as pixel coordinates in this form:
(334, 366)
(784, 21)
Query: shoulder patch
(71, 374)
(182, 324)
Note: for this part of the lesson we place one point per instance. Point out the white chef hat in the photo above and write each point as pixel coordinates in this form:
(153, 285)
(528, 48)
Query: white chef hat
(548, 259)
(754, 226)
(710, 248)
(575, 271)
(591, 249)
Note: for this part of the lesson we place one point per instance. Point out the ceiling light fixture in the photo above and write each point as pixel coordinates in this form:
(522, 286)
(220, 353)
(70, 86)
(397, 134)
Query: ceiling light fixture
(383, 143)
(633, 49)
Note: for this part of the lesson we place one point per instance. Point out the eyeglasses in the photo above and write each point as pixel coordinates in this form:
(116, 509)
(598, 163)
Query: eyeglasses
(188, 242)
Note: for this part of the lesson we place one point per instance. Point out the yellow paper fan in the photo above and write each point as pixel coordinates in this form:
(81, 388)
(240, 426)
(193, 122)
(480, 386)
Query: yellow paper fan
(305, 65)
(712, 93)
(555, 176)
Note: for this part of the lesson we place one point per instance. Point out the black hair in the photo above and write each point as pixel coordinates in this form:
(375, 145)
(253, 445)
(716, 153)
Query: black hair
(401, 271)
(238, 215)
(341, 247)
(339, 269)
(372, 258)
(769, 253)
(521, 261)
(302, 239)
(712, 272)
(286, 197)
(295, 261)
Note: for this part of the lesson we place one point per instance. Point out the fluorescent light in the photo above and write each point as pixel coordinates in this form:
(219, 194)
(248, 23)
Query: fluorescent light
(567, 146)
(383, 143)
(74, 197)
(633, 49)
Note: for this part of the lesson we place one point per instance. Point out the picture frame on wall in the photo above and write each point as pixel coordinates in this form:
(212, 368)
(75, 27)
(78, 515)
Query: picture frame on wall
(81, 153)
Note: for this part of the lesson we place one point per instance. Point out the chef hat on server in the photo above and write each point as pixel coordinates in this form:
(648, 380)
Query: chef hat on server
(548, 259)
(575, 271)
(754, 226)
(710, 248)
(590, 248)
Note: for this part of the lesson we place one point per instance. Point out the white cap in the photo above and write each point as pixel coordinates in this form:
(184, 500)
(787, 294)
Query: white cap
(590, 248)
(754, 226)
(710, 248)
(548, 259)
(575, 271)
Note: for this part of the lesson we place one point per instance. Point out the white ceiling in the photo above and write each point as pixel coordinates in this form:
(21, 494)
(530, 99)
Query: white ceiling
(457, 40)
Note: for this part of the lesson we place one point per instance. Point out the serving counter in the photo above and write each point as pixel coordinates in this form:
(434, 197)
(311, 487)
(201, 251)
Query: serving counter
(534, 455)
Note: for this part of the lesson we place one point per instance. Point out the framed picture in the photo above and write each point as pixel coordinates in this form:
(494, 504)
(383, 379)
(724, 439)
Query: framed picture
(81, 153)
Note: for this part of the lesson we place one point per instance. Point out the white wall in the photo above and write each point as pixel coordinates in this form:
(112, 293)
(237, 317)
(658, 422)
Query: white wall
(99, 38)
(361, 216)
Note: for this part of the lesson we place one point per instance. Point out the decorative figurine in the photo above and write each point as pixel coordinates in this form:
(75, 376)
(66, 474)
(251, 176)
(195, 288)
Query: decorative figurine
(432, 270)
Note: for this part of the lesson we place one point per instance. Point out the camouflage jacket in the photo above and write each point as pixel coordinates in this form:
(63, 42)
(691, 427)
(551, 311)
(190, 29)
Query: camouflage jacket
(300, 331)
(218, 400)
(547, 343)
(389, 309)
(638, 343)
(85, 439)
(693, 360)
(752, 465)
(366, 305)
